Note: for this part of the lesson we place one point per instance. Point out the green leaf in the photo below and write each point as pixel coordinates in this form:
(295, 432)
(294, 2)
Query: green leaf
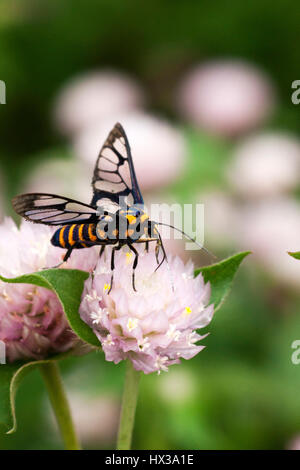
(220, 276)
(294, 254)
(7, 409)
(10, 377)
(68, 285)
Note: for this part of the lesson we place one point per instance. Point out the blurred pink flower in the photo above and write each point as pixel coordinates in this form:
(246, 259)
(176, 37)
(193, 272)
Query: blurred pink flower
(226, 97)
(269, 229)
(32, 321)
(96, 418)
(60, 176)
(265, 164)
(155, 326)
(220, 217)
(158, 148)
(94, 96)
(2, 197)
(178, 387)
(294, 443)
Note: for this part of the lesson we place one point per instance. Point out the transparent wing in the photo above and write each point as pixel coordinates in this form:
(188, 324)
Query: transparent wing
(50, 209)
(114, 176)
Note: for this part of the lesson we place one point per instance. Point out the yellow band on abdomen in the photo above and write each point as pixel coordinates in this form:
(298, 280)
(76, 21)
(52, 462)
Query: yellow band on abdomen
(92, 237)
(61, 237)
(80, 232)
(71, 241)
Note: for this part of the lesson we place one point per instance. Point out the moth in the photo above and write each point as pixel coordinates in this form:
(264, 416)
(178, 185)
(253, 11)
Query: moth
(116, 215)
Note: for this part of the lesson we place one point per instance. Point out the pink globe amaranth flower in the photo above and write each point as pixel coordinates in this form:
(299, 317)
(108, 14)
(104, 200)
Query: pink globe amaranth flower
(221, 217)
(294, 443)
(96, 418)
(177, 387)
(32, 322)
(60, 176)
(93, 96)
(158, 149)
(226, 97)
(155, 326)
(270, 228)
(2, 197)
(265, 165)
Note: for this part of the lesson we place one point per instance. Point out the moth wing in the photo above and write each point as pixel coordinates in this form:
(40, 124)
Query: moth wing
(51, 209)
(114, 175)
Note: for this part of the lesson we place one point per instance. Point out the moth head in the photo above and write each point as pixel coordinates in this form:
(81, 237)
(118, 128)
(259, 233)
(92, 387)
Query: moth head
(136, 212)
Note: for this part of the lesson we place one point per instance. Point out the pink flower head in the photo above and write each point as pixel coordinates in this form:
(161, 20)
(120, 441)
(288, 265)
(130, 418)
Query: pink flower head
(270, 228)
(60, 176)
(2, 193)
(265, 164)
(32, 321)
(155, 326)
(221, 217)
(294, 443)
(94, 96)
(226, 97)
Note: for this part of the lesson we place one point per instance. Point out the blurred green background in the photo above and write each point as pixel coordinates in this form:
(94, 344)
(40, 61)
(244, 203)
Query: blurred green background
(242, 391)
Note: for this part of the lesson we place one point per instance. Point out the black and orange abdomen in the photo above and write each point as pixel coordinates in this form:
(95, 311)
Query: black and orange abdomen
(81, 235)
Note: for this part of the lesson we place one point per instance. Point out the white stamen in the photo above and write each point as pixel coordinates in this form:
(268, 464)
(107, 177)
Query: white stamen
(160, 364)
(96, 317)
(108, 341)
(173, 333)
(93, 296)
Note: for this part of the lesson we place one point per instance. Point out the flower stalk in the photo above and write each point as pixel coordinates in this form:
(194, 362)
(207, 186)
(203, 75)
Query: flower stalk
(53, 381)
(129, 402)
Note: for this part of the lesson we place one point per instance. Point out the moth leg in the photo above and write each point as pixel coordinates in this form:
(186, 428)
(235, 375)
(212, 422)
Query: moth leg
(101, 250)
(53, 267)
(147, 247)
(157, 247)
(65, 258)
(68, 254)
(134, 265)
(112, 265)
(160, 245)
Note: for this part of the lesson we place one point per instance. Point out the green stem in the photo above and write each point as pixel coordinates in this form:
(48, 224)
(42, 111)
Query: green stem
(52, 378)
(129, 401)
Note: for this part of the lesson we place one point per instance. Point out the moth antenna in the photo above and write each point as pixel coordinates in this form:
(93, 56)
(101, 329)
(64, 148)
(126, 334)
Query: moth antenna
(188, 237)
